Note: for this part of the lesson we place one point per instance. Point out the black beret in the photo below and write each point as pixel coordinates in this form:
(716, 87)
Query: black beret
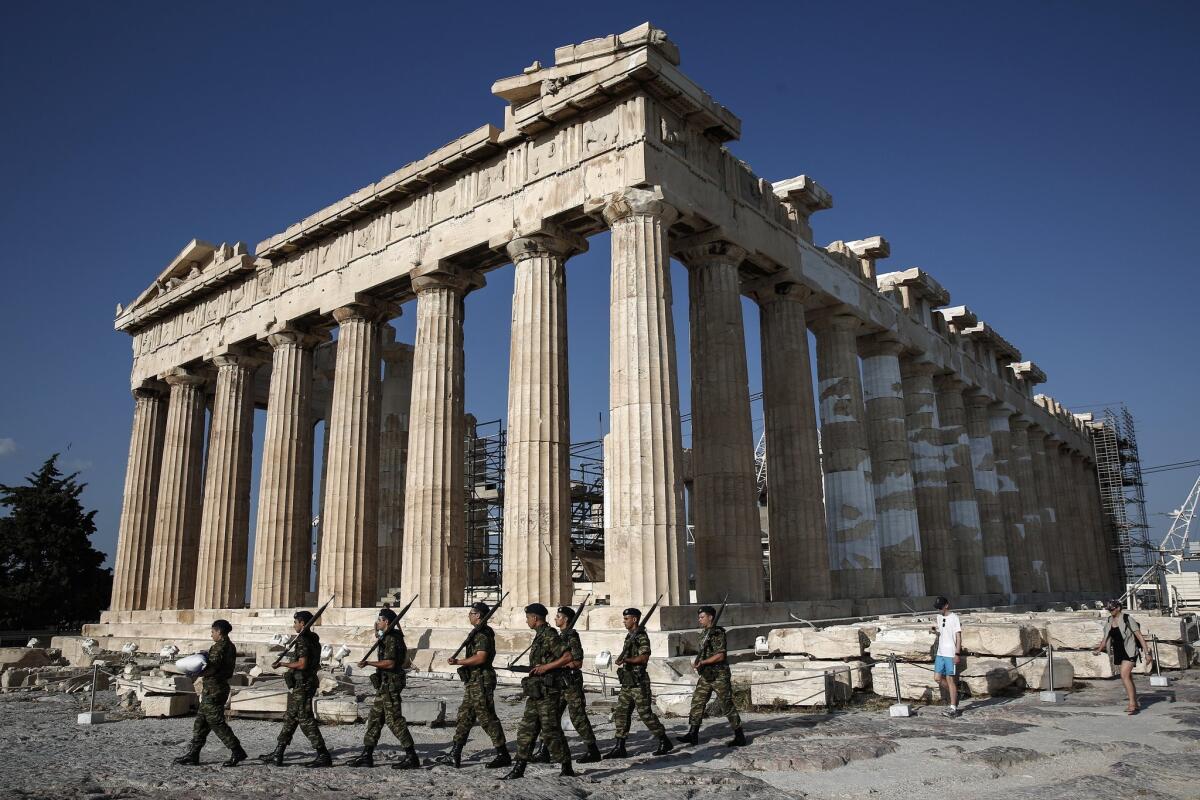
(303, 616)
(387, 613)
(536, 608)
(223, 626)
(480, 607)
(567, 612)
(712, 612)
(631, 612)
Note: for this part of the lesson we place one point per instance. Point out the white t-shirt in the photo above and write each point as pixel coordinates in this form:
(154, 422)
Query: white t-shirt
(948, 625)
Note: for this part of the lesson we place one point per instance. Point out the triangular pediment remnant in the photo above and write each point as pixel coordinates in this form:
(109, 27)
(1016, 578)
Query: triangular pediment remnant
(199, 268)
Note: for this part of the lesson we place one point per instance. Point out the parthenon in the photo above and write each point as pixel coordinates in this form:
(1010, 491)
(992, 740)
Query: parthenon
(922, 462)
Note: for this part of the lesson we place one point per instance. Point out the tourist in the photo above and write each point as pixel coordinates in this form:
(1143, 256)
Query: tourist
(1122, 637)
(945, 665)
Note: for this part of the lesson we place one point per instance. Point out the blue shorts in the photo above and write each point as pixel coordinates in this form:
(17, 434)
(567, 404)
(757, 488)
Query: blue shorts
(943, 665)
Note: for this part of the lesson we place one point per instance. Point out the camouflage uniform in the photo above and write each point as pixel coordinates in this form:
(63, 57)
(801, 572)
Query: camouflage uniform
(714, 678)
(211, 716)
(479, 684)
(543, 699)
(573, 699)
(302, 687)
(388, 686)
(635, 689)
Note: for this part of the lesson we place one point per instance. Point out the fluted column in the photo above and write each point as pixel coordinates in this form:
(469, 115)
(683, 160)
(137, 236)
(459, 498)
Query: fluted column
(926, 446)
(396, 398)
(1093, 516)
(966, 529)
(434, 560)
(1064, 514)
(1010, 501)
(1087, 566)
(350, 514)
(1022, 469)
(798, 538)
(645, 537)
(225, 519)
(846, 459)
(900, 535)
(537, 479)
(135, 539)
(1043, 485)
(283, 531)
(996, 572)
(177, 520)
(727, 532)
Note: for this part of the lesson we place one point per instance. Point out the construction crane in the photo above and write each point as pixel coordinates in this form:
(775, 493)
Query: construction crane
(1178, 588)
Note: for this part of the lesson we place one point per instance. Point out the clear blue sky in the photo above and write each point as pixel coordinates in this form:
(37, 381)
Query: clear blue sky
(1039, 159)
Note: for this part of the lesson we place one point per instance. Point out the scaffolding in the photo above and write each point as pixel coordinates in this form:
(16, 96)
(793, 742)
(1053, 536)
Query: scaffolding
(1122, 490)
(587, 511)
(485, 448)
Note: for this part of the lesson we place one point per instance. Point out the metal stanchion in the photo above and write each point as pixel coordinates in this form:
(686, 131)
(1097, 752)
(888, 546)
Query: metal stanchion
(92, 716)
(897, 709)
(1157, 679)
(1051, 693)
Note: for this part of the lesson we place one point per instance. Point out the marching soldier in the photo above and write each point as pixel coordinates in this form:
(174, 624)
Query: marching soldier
(388, 681)
(543, 695)
(713, 671)
(301, 680)
(635, 688)
(477, 706)
(211, 717)
(572, 695)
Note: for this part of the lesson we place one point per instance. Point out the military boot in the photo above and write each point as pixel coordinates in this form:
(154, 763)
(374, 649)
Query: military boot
(323, 759)
(692, 737)
(503, 759)
(664, 746)
(275, 757)
(739, 738)
(452, 758)
(236, 757)
(191, 758)
(364, 759)
(541, 755)
(410, 761)
(566, 771)
(618, 750)
(517, 771)
(592, 755)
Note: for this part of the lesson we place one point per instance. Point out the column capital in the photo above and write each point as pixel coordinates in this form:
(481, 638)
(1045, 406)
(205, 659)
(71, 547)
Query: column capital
(178, 376)
(440, 275)
(950, 382)
(230, 359)
(777, 288)
(707, 248)
(836, 317)
(366, 308)
(296, 337)
(881, 344)
(917, 366)
(978, 398)
(1019, 422)
(149, 390)
(548, 241)
(638, 201)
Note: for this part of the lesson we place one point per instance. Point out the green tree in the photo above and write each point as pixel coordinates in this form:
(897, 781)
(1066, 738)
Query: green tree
(50, 575)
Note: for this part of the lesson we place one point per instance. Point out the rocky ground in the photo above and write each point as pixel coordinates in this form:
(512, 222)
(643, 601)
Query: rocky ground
(1014, 748)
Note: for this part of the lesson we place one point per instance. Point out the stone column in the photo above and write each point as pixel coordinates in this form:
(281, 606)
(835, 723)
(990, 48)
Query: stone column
(434, 560)
(225, 519)
(177, 520)
(537, 470)
(1043, 484)
(846, 459)
(1067, 549)
(1085, 559)
(283, 532)
(798, 537)
(1022, 470)
(996, 571)
(1093, 516)
(350, 513)
(727, 530)
(1010, 501)
(966, 527)
(644, 543)
(926, 446)
(131, 567)
(396, 398)
(900, 533)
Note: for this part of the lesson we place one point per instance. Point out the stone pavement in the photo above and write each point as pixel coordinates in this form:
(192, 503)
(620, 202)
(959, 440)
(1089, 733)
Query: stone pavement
(1013, 748)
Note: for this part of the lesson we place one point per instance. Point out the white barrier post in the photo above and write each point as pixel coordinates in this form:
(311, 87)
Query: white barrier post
(92, 716)
(897, 709)
(1157, 679)
(1051, 694)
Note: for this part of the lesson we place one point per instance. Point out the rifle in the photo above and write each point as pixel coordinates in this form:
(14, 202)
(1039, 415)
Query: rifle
(641, 628)
(391, 627)
(303, 631)
(570, 625)
(478, 627)
(709, 631)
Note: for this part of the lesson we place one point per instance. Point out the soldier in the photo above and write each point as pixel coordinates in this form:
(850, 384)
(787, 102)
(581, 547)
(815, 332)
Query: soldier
(388, 681)
(211, 716)
(572, 695)
(301, 680)
(479, 681)
(635, 688)
(543, 695)
(713, 672)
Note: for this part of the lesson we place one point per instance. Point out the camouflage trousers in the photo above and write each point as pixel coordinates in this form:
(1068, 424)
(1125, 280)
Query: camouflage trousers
(541, 718)
(211, 717)
(478, 707)
(713, 681)
(573, 702)
(386, 709)
(639, 697)
(299, 714)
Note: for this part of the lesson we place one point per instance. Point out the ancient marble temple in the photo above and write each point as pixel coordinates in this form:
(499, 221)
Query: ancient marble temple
(939, 470)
